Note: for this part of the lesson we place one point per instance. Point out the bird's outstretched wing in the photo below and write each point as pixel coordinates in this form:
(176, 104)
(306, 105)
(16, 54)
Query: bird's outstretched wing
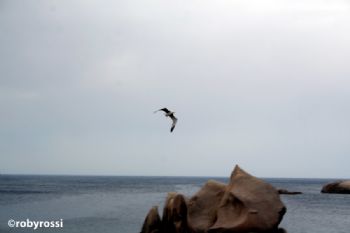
(174, 119)
(164, 110)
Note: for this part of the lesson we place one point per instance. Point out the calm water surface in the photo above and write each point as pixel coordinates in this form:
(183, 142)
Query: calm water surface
(119, 204)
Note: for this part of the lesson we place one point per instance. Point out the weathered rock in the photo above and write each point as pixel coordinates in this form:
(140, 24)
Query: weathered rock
(248, 205)
(152, 223)
(202, 207)
(174, 218)
(341, 187)
(285, 191)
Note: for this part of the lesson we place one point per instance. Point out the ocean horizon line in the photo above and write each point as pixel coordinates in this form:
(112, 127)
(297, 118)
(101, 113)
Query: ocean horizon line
(162, 176)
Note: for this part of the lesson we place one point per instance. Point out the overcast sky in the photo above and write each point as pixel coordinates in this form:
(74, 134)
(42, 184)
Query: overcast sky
(262, 84)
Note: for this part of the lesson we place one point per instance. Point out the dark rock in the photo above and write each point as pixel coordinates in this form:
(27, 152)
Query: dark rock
(284, 191)
(340, 187)
(174, 218)
(152, 223)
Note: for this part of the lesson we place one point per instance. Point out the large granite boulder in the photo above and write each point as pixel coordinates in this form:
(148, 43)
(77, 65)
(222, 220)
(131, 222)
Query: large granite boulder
(203, 206)
(246, 205)
(341, 187)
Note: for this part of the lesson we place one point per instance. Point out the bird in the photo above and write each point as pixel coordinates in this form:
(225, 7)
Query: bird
(170, 114)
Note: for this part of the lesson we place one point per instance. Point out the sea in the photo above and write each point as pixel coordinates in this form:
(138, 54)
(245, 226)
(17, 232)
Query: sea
(118, 204)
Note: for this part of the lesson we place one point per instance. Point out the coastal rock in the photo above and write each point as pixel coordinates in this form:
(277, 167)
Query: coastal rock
(203, 206)
(340, 187)
(285, 191)
(174, 218)
(246, 205)
(152, 223)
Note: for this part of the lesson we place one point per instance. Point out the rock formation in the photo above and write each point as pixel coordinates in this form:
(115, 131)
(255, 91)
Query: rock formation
(246, 204)
(285, 191)
(341, 187)
(175, 215)
(204, 204)
(152, 222)
(249, 204)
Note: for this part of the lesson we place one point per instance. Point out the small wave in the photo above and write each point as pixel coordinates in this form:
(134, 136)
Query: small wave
(22, 192)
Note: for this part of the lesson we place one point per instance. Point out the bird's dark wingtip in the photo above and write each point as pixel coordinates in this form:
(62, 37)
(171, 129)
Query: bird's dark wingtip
(164, 109)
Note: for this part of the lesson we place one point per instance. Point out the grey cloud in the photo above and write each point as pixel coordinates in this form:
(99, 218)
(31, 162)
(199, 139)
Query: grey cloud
(262, 84)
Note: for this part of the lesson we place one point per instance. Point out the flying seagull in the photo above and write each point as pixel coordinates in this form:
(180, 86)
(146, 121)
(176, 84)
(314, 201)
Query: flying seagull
(170, 114)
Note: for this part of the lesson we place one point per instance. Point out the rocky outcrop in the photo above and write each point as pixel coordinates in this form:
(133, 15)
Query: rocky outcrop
(340, 187)
(152, 222)
(287, 192)
(175, 215)
(246, 204)
(203, 206)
